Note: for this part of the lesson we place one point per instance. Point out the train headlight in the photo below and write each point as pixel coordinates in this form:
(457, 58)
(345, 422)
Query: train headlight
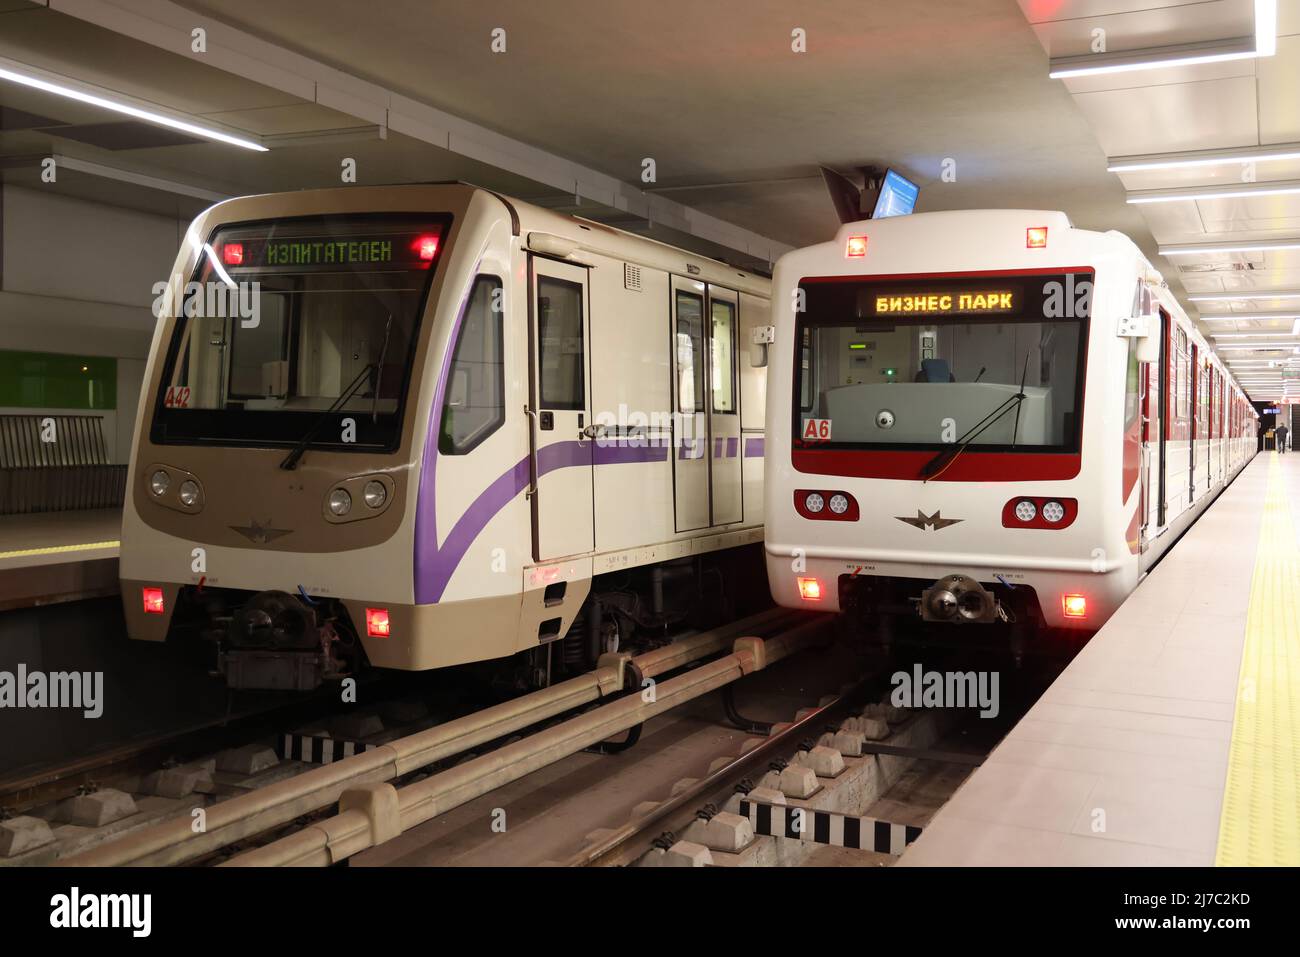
(1026, 510)
(189, 492)
(814, 502)
(340, 502)
(839, 504)
(159, 482)
(1053, 511)
(375, 494)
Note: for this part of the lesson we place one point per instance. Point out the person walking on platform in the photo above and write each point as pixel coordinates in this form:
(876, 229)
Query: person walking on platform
(1280, 436)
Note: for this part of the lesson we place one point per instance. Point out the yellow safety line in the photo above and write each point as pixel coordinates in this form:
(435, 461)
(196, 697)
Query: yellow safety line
(1260, 825)
(55, 549)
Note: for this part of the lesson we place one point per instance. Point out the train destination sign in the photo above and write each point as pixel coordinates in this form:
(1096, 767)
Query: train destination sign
(941, 303)
(312, 253)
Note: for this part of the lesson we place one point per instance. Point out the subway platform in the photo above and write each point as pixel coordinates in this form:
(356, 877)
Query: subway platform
(1173, 738)
(49, 557)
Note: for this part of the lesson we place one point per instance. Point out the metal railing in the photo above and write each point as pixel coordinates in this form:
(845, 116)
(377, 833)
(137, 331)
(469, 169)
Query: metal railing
(56, 463)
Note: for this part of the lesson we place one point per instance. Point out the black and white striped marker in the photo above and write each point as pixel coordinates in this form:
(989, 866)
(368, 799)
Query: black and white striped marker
(827, 827)
(315, 749)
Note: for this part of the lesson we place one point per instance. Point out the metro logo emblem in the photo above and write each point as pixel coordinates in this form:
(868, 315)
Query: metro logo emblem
(924, 522)
(817, 430)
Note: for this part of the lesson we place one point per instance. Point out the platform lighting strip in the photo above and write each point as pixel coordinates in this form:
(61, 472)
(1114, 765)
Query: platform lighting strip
(1258, 824)
(149, 116)
(1190, 55)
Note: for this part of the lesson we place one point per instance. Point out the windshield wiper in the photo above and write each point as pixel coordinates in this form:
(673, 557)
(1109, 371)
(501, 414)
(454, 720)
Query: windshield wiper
(942, 460)
(379, 374)
(290, 461)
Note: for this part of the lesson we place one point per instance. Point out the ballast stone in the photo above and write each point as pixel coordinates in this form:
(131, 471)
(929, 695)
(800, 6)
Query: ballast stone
(18, 835)
(176, 782)
(686, 854)
(97, 809)
(727, 832)
(798, 781)
(250, 759)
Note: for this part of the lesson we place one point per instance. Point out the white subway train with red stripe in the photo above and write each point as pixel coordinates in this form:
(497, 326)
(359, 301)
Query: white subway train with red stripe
(985, 416)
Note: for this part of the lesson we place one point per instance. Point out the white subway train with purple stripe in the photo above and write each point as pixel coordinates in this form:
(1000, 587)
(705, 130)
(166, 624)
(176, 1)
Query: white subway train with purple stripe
(425, 426)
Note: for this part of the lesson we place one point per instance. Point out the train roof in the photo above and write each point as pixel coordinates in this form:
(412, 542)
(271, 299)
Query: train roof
(533, 224)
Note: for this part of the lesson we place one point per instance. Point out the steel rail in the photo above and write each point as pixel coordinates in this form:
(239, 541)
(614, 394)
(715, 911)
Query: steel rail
(612, 849)
(371, 815)
(226, 822)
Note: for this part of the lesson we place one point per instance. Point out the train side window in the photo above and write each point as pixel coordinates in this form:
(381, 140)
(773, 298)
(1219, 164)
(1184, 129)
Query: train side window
(1132, 386)
(474, 405)
(806, 376)
(690, 352)
(561, 347)
(724, 357)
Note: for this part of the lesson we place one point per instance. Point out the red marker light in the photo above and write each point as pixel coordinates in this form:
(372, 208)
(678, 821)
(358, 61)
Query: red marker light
(377, 622)
(153, 601)
(426, 247)
(810, 589)
(1036, 237)
(232, 254)
(857, 247)
(1074, 606)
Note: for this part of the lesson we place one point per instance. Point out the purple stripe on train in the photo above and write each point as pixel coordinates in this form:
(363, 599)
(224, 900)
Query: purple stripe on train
(435, 564)
(754, 448)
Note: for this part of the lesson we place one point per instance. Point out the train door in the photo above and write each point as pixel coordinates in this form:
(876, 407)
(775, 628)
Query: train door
(563, 436)
(1194, 386)
(691, 446)
(1163, 410)
(1213, 378)
(1144, 372)
(724, 407)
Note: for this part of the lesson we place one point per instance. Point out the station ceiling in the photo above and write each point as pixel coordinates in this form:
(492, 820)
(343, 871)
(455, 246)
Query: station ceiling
(736, 122)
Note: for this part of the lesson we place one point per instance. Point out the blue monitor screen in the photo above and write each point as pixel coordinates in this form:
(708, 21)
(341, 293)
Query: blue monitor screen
(897, 196)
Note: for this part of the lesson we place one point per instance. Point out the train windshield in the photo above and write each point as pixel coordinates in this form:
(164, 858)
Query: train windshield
(287, 319)
(994, 362)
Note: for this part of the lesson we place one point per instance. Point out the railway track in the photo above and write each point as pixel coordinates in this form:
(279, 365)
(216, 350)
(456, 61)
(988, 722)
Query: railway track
(244, 812)
(847, 743)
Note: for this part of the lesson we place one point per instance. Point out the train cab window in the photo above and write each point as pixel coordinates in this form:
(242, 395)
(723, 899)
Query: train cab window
(474, 405)
(997, 362)
(724, 356)
(690, 352)
(560, 353)
(288, 322)
(258, 368)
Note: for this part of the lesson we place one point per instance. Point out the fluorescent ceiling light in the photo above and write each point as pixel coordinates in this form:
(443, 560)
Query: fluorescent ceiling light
(1190, 54)
(1252, 294)
(1251, 335)
(1250, 191)
(1194, 158)
(1251, 317)
(1265, 27)
(1154, 59)
(117, 106)
(1263, 245)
